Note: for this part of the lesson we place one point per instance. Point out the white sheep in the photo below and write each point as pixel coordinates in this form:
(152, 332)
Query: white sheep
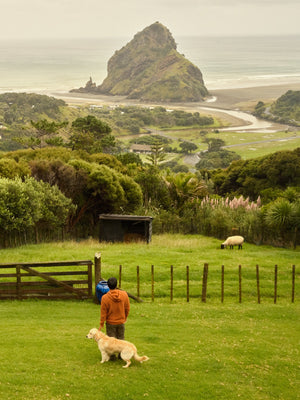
(233, 241)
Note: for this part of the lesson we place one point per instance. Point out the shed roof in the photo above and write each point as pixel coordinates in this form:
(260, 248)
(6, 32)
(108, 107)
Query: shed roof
(125, 217)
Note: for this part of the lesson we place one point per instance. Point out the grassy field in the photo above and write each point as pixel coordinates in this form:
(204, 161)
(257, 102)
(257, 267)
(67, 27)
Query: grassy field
(197, 350)
(179, 251)
(246, 144)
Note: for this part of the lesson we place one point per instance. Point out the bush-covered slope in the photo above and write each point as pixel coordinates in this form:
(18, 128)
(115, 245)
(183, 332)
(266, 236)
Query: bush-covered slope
(286, 109)
(22, 107)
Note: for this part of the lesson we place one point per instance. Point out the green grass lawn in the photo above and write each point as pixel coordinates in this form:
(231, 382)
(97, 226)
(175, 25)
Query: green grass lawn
(197, 350)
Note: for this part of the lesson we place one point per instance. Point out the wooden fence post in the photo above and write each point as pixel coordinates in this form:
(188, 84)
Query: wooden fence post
(152, 282)
(187, 283)
(204, 282)
(97, 266)
(222, 284)
(257, 284)
(171, 288)
(120, 276)
(293, 283)
(90, 279)
(275, 284)
(19, 291)
(138, 280)
(240, 283)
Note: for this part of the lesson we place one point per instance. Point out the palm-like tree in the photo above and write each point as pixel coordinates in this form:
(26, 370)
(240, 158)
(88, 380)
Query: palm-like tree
(296, 221)
(285, 215)
(279, 214)
(185, 187)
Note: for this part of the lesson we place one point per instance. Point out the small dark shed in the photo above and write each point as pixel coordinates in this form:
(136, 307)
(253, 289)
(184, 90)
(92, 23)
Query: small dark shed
(125, 228)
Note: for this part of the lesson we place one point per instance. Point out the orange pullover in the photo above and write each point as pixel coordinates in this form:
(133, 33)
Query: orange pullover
(115, 307)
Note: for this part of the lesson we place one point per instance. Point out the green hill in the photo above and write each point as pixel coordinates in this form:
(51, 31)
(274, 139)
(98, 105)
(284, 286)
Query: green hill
(16, 108)
(286, 109)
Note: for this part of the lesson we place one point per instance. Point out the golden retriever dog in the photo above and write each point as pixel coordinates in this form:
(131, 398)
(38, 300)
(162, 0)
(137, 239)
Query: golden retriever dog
(110, 345)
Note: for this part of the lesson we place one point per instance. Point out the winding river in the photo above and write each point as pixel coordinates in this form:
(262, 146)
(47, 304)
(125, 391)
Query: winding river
(251, 123)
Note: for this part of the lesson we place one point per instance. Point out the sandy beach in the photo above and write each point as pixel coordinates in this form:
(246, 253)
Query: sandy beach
(243, 99)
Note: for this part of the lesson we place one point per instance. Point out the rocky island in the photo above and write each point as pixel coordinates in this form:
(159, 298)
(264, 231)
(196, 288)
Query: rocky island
(149, 68)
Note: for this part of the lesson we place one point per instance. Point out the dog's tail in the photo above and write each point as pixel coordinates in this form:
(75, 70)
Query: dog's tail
(140, 359)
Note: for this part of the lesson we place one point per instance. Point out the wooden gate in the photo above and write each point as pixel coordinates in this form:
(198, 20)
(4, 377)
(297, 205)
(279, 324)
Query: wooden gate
(46, 280)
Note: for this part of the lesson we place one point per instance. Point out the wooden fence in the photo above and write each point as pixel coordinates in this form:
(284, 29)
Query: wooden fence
(60, 280)
(204, 283)
(46, 280)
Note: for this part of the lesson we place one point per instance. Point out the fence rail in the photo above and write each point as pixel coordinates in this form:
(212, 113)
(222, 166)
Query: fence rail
(43, 280)
(241, 285)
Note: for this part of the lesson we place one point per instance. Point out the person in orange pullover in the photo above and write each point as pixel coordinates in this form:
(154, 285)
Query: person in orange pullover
(115, 308)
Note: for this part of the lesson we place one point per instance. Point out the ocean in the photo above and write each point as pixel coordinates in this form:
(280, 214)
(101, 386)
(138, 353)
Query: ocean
(57, 66)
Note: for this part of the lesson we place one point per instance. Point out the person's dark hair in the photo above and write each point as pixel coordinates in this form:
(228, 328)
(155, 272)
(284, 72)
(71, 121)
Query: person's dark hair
(112, 282)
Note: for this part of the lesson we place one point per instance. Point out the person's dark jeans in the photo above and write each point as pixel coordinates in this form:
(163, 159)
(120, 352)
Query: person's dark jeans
(116, 331)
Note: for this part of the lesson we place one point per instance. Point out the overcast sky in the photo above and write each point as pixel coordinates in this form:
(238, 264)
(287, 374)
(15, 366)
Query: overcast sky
(124, 18)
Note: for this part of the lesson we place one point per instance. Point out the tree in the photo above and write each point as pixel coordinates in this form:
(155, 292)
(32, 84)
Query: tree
(185, 187)
(133, 193)
(129, 158)
(44, 133)
(281, 168)
(105, 191)
(214, 144)
(259, 109)
(10, 168)
(55, 207)
(187, 147)
(279, 213)
(296, 221)
(155, 191)
(283, 214)
(216, 159)
(55, 172)
(91, 124)
(157, 154)
(91, 134)
(31, 205)
(251, 177)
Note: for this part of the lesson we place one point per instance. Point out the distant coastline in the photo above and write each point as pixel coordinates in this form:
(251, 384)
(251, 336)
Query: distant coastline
(225, 62)
(237, 71)
(224, 98)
